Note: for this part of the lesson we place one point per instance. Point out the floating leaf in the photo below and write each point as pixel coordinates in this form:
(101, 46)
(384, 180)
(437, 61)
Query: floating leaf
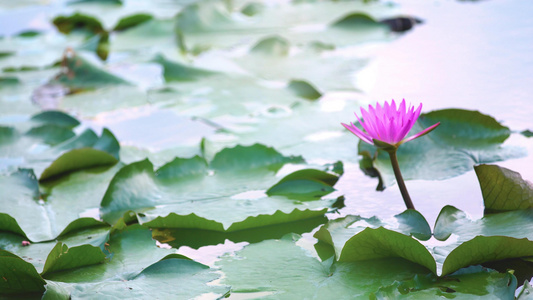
(132, 250)
(17, 277)
(526, 293)
(196, 232)
(40, 220)
(254, 272)
(527, 133)
(463, 139)
(149, 34)
(448, 220)
(206, 25)
(173, 71)
(137, 268)
(304, 184)
(338, 232)
(303, 89)
(382, 243)
(78, 22)
(494, 237)
(54, 117)
(104, 152)
(51, 134)
(354, 21)
(503, 189)
(486, 248)
(63, 258)
(117, 2)
(274, 46)
(78, 159)
(132, 21)
(221, 196)
(79, 74)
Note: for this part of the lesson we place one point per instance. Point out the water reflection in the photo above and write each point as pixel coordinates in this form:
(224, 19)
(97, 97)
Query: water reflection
(467, 55)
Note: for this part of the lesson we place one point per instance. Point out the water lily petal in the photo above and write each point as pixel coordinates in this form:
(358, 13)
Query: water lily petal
(369, 124)
(388, 123)
(358, 133)
(421, 133)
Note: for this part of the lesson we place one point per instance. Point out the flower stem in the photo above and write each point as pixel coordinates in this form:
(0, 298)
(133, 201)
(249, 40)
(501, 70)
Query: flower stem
(399, 179)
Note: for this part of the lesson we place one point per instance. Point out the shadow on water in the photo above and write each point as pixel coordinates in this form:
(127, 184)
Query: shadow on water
(195, 238)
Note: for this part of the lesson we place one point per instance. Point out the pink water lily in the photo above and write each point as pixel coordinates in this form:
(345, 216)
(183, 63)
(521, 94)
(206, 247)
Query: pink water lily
(388, 123)
(386, 127)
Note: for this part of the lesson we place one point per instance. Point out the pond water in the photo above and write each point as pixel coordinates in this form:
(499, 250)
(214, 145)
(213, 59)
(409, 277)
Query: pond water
(473, 55)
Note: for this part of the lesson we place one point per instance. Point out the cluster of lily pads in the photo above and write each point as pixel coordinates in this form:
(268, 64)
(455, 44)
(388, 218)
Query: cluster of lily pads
(86, 214)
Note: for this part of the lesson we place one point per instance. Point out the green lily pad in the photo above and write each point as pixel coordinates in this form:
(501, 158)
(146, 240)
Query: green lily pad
(232, 184)
(303, 89)
(36, 253)
(307, 72)
(19, 278)
(8, 81)
(492, 238)
(447, 221)
(150, 34)
(133, 261)
(173, 71)
(44, 216)
(172, 277)
(304, 184)
(78, 159)
(78, 22)
(526, 293)
(206, 25)
(527, 133)
(503, 189)
(469, 283)
(54, 117)
(137, 268)
(486, 248)
(62, 258)
(132, 21)
(382, 243)
(464, 139)
(196, 232)
(354, 238)
(117, 2)
(337, 232)
(78, 74)
(51, 148)
(132, 249)
(255, 272)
